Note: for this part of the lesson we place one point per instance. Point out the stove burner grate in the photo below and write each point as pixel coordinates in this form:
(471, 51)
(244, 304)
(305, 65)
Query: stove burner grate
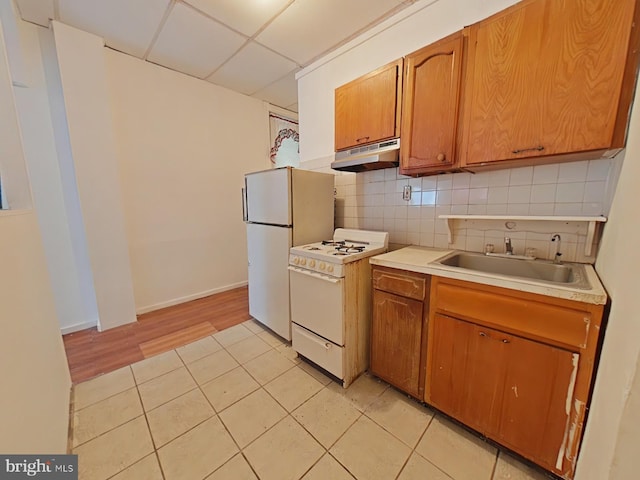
(333, 243)
(350, 249)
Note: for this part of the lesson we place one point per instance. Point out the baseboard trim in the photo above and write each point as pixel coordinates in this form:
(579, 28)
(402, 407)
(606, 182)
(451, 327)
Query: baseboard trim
(77, 327)
(188, 298)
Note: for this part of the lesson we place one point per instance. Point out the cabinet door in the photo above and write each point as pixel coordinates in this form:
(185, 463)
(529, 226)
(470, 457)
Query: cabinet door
(396, 338)
(465, 372)
(545, 78)
(430, 108)
(535, 399)
(367, 109)
(515, 391)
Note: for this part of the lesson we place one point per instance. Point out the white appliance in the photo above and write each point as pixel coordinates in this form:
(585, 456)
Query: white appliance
(282, 207)
(331, 300)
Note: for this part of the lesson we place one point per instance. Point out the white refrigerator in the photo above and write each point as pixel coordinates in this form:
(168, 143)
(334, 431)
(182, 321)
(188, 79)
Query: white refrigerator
(282, 208)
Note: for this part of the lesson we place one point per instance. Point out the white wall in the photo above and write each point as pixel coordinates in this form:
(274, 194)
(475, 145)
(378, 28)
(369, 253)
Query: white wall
(34, 405)
(83, 75)
(55, 194)
(183, 147)
(618, 265)
(13, 174)
(618, 260)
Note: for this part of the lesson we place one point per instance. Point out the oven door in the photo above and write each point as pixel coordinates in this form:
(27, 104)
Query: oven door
(317, 303)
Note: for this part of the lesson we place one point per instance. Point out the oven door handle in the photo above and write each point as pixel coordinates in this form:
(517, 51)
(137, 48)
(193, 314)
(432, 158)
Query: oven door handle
(319, 276)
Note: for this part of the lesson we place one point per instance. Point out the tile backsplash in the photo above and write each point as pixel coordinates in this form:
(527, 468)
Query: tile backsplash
(373, 200)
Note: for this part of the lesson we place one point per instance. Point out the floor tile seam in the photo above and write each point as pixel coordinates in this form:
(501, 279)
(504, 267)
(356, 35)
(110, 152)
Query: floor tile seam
(272, 379)
(404, 464)
(168, 400)
(234, 342)
(495, 464)
(343, 466)
(235, 401)
(105, 398)
(76, 410)
(159, 375)
(422, 456)
(199, 358)
(360, 414)
(160, 447)
(241, 453)
(109, 430)
(278, 402)
(277, 422)
(396, 436)
(154, 453)
(252, 358)
(326, 450)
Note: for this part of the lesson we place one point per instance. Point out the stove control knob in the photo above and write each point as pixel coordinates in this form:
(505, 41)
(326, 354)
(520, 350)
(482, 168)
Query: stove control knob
(296, 260)
(312, 263)
(303, 261)
(322, 266)
(330, 268)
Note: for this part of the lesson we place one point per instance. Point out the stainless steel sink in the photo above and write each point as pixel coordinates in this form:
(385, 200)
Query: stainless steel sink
(569, 274)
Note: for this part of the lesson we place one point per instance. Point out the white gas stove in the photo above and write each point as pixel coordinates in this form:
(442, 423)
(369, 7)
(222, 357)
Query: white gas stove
(329, 256)
(330, 284)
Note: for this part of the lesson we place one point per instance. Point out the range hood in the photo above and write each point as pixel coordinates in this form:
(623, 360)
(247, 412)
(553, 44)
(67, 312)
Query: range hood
(368, 157)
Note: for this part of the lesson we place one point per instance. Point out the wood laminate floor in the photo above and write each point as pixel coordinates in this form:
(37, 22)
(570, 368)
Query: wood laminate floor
(91, 353)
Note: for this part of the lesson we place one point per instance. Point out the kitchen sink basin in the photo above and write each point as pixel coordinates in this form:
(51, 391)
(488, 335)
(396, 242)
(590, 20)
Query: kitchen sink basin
(570, 275)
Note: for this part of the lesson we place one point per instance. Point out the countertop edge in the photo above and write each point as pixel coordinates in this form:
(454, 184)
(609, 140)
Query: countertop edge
(597, 295)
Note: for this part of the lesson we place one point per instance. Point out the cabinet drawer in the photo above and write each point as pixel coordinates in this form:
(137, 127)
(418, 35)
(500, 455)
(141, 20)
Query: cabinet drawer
(405, 284)
(563, 323)
(320, 351)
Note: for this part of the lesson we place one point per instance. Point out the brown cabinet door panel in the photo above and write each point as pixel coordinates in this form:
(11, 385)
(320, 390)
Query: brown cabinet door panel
(366, 109)
(538, 383)
(430, 110)
(396, 338)
(509, 388)
(547, 77)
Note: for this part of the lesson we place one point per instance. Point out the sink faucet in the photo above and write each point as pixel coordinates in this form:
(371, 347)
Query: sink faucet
(508, 248)
(556, 257)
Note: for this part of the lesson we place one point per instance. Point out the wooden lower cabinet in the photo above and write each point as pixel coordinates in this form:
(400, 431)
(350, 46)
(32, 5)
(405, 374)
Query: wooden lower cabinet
(398, 341)
(515, 366)
(396, 334)
(509, 388)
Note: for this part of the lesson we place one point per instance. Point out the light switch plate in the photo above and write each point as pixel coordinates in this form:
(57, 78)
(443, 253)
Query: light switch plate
(406, 193)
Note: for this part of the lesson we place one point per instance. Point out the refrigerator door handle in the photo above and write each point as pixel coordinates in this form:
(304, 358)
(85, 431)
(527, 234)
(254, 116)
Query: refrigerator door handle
(245, 213)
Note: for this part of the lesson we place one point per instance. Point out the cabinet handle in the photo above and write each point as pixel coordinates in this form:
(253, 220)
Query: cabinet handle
(504, 340)
(539, 148)
(362, 139)
(441, 157)
(482, 334)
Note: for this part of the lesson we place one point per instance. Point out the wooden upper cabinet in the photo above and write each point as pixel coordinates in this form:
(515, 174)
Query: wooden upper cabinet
(549, 77)
(430, 107)
(367, 110)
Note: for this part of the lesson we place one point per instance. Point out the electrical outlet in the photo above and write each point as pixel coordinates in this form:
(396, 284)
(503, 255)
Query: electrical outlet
(406, 193)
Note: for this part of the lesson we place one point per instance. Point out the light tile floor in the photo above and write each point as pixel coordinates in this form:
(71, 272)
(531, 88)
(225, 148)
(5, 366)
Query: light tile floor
(239, 405)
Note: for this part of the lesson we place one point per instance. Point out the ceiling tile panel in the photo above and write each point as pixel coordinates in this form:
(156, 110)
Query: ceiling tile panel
(36, 11)
(194, 44)
(246, 16)
(282, 93)
(126, 25)
(251, 69)
(309, 28)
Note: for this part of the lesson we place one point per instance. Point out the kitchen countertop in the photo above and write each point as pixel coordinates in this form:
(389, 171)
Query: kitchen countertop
(421, 260)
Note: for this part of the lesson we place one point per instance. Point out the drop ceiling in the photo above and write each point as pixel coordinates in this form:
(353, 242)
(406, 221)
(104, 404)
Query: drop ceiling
(254, 47)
